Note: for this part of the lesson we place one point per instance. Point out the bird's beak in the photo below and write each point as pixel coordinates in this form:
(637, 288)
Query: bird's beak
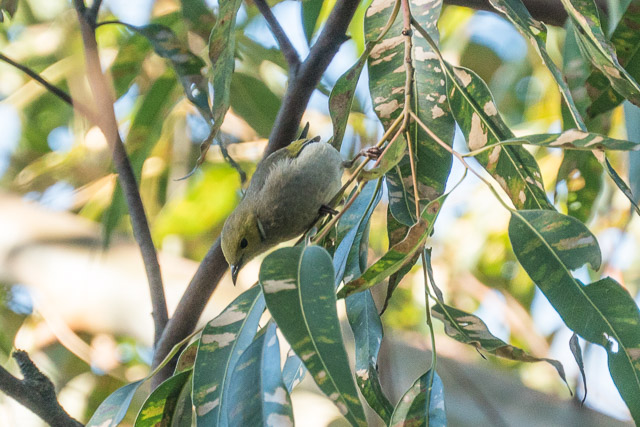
(234, 272)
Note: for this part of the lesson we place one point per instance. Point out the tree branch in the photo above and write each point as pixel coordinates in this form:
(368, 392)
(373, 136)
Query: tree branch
(109, 126)
(35, 392)
(286, 47)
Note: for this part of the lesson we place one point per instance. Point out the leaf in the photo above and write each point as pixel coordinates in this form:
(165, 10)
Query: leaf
(298, 285)
(392, 155)
(582, 174)
(549, 245)
(422, 404)
(9, 7)
(349, 260)
(632, 121)
(221, 54)
(293, 371)
(187, 66)
(113, 409)
(12, 315)
(574, 345)
(222, 341)
(617, 179)
(470, 329)
(310, 11)
(198, 16)
(187, 357)
(159, 407)
(387, 76)
(183, 414)
(574, 139)
(536, 32)
(400, 254)
(513, 167)
(595, 46)
(141, 139)
(396, 232)
(252, 100)
(258, 395)
(626, 41)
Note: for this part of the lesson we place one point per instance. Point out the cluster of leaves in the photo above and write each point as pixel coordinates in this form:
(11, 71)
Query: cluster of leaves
(228, 373)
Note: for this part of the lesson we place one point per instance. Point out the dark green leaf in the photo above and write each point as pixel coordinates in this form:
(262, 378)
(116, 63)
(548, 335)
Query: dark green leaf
(299, 289)
(400, 254)
(252, 100)
(183, 414)
(617, 179)
(422, 404)
(626, 41)
(387, 76)
(470, 329)
(549, 245)
(582, 174)
(258, 395)
(293, 371)
(222, 341)
(113, 409)
(310, 12)
(159, 407)
(396, 232)
(574, 345)
(9, 7)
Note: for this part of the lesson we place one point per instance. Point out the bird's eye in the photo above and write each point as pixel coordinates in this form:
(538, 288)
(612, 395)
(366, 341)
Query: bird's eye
(244, 243)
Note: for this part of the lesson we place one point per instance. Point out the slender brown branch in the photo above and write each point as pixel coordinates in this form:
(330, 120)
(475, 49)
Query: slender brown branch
(92, 12)
(109, 126)
(35, 392)
(286, 47)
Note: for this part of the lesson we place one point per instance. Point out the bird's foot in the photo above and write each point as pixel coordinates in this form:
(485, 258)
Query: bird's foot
(327, 210)
(372, 153)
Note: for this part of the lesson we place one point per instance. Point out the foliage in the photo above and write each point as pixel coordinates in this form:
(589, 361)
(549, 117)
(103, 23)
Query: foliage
(197, 69)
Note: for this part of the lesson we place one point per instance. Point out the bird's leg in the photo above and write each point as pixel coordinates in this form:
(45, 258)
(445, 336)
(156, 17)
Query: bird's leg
(327, 210)
(372, 153)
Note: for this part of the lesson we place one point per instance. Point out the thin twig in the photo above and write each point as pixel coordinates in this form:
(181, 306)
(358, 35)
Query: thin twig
(92, 12)
(286, 47)
(109, 126)
(35, 392)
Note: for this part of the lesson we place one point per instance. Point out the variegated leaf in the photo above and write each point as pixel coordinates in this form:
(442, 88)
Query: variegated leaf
(574, 139)
(160, 406)
(422, 405)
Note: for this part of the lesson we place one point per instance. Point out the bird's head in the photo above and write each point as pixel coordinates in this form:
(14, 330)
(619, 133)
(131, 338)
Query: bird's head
(242, 239)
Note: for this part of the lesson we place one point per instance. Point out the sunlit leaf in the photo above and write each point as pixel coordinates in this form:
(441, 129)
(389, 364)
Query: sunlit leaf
(258, 395)
(470, 329)
(398, 255)
(299, 289)
(595, 46)
(159, 407)
(222, 341)
(536, 32)
(574, 139)
(387, 81)
(113, 409)
(393, 154)
(422, 404)
(549, 245)
(513, 167)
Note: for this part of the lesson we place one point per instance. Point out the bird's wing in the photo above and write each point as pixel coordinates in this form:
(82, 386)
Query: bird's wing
(289, 152)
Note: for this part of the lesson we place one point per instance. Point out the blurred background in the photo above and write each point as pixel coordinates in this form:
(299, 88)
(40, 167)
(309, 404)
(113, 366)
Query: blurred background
(72, 287)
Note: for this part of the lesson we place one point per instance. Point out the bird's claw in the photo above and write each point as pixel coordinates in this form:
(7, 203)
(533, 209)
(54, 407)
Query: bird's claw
(372, 152)
(327, 210)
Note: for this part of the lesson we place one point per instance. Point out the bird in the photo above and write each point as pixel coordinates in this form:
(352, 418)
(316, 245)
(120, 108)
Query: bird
(287, 193)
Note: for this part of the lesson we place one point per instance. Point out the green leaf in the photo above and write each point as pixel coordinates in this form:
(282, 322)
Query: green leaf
(549, 245)
(298, 285)
(187, 66)
(113, 409)
(422, 404)
(574, 139)
(470, 329)
(513, 167)
(574, 346)
(141, 139)
(396, 232)
(9, 7)
(159, 407)
(183, 414)
(394, 152)
(536, 32)
(293, 371)
(258, 395)
(617, 179)
(582, 173)
(595, 46)
(187, 358)
(400, 254)
(11, 319)
(252, 100)
(349, 260)
(310, 11)
(387, 75)
(632, 121)
(626, 41)
(222, 341)
(198, 16)
(221, 54)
